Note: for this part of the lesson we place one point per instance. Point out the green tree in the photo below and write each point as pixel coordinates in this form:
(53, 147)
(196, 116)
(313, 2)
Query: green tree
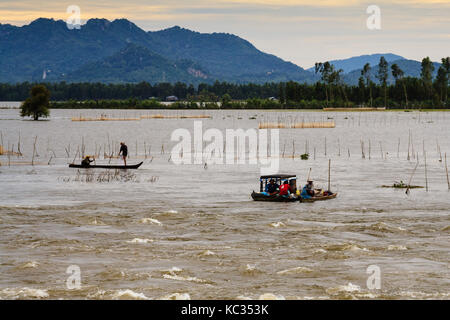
(282, 93)
(361, 89)
(326, 70)
(441, 83)
(427, 76)
(226, 99)
(336, 79)
(382, 76)
(446, 66)
(398, 74)
(365, 72)
(37, 105)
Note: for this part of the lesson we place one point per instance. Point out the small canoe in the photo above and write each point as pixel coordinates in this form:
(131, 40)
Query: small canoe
(319, 198)
(136, 166)
(273, 198)
(402, 187)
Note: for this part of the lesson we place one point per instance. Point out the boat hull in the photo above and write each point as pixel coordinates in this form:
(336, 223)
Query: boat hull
(323, 198)
(79, 166)
(273, 198)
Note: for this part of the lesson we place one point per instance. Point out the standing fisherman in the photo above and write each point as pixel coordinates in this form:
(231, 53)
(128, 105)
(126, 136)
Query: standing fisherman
(124, 152)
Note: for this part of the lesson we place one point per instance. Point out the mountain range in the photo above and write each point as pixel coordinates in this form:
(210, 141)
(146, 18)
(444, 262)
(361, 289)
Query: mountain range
(120, 52)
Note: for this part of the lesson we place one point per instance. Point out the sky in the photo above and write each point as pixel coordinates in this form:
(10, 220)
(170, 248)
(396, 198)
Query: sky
(299, 31)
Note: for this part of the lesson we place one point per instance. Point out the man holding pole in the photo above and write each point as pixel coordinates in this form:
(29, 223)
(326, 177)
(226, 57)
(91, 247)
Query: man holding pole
(124, 152)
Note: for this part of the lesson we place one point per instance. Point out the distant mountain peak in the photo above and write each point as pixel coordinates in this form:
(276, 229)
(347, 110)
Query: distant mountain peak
(45, 22)
(357, 62)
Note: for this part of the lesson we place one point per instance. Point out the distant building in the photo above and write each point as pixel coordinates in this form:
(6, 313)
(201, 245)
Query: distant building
(171, 98)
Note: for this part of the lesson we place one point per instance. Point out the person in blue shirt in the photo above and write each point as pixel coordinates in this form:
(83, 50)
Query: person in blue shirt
(308, 190)
(272, 187)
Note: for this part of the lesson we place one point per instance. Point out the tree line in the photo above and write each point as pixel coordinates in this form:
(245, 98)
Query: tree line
(373, 90)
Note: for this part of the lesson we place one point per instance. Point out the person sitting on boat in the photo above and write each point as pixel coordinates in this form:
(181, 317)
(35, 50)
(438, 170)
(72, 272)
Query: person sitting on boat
(86, 161)
(124, 152)
(284, 189)
(293, 186)
(308, 190)
(272, 187)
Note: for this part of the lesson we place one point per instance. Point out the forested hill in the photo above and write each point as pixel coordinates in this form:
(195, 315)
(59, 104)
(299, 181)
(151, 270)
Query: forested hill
(47, 50)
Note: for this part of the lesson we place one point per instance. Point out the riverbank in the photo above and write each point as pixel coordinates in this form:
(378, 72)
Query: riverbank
(250, 104)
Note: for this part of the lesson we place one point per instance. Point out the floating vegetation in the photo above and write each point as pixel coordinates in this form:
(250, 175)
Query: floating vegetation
(305, 156)
(161, 116)
(401, 185)
(104, 118)
(102, 177)
(5, 152)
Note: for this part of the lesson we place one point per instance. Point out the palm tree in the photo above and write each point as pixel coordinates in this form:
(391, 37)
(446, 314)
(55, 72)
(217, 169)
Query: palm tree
(325, 69)
(398, 74)
(427, 75)
(382, 76)
(365, 72)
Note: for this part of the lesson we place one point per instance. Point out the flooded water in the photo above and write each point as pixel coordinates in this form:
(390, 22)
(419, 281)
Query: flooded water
(170, 231)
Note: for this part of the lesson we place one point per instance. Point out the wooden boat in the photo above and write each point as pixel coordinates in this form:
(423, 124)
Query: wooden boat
(319, 198)
(273, 198)
(263, 196)
(402, 186)
(105, 166)
(278, 178)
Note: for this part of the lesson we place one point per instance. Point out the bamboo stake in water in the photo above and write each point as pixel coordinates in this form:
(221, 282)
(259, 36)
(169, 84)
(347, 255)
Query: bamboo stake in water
(145, 150)
(329, 174)
(409, 145)
(9, 156)
(19, 153)
(381, 150)
(34, 151)
(339, 146)
(446, 171)
(410, 178)
(78, 151)
(426, 173)
(293, 149)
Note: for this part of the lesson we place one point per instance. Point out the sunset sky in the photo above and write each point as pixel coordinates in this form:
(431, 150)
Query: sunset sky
(295, 30)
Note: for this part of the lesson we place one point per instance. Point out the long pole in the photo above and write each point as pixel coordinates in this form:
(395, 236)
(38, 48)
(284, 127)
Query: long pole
(410, 178)
(426, 174)
(446, 171)
(329, 174)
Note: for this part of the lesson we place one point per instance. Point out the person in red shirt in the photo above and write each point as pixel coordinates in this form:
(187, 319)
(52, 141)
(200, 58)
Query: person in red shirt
(284, 189)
